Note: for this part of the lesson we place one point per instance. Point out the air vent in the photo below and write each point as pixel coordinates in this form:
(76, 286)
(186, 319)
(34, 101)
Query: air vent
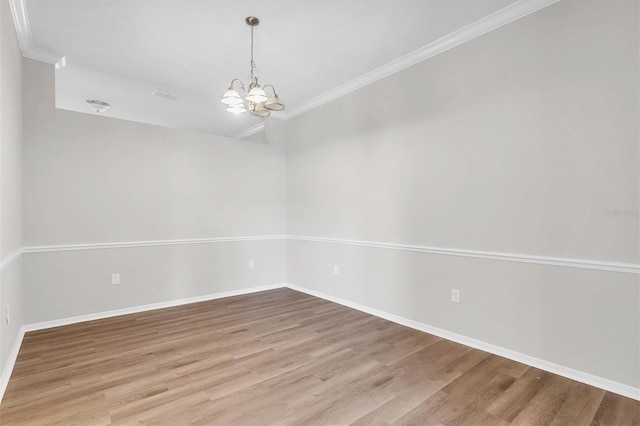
(167, 95)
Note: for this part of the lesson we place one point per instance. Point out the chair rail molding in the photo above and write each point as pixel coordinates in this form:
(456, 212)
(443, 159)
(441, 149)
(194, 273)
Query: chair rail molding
(628, 268)
(4, 263)
(127, 244)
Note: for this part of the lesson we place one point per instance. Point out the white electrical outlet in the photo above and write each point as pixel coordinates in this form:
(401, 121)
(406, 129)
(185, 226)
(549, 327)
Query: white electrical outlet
(252, 264)
(115, 279)
(455, 295)
(336, 270)
(8, 318)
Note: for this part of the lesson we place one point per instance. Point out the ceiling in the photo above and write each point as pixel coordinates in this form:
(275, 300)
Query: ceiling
(120, 51)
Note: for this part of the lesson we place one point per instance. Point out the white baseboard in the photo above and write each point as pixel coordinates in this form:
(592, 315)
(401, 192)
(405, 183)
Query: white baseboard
(11, 362)
(13, 355)
(580, 376)
(149, 307)
(570, 373)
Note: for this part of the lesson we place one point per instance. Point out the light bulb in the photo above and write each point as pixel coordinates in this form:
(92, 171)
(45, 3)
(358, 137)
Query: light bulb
(231, 97)
(236, 109)
(256, 94)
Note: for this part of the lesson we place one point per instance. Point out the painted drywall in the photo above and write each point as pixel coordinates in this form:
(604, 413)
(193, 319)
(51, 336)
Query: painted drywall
(519, 141)
(11, 137)
(90, 179)
(148, 275)
(524, 140)
(10, 182)
(582, 319)
(12, 295)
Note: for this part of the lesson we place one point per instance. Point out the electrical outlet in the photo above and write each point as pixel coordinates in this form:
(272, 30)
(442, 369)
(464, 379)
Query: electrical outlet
(455, 295)
(115, 279)
(8, 317)
(336, 270)
(252, 264)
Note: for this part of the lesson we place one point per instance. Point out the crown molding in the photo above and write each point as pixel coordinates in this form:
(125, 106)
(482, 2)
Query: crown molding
(23, 29)
(489, 23)
(259, 127)
(250, 131)
(496, 20)
(278, 114)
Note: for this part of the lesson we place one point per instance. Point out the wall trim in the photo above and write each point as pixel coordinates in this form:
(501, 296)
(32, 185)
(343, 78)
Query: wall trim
(570, 373)
(149, 307)
(476, 29)
(627, 268)
(13, 355)
(489, 23)
(4, 263)
(250, 131)
(580, 376)
(11, 362)
(128, 244)
(23, 29)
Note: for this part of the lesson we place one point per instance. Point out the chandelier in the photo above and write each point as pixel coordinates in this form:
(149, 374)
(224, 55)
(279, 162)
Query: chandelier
(255, 100)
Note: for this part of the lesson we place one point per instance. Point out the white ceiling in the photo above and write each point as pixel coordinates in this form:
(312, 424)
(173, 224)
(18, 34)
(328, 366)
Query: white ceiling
(120, 51)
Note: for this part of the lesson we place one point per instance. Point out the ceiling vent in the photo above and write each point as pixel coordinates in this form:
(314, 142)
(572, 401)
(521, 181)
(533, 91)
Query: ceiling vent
(167, 95)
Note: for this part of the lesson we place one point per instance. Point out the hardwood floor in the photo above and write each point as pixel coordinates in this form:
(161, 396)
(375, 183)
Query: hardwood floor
(282, 357)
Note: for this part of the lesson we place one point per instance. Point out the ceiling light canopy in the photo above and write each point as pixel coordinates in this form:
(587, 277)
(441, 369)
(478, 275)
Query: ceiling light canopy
(255, 100)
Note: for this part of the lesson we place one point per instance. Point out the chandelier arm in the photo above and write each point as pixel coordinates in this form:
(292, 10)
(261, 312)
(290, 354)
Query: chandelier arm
(237, 94)
(244, 91)
(272, 88)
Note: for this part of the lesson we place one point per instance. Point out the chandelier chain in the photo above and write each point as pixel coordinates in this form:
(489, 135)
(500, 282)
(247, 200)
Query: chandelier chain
(252, 98)
(253, 64)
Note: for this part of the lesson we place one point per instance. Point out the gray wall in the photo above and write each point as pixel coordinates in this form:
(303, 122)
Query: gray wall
(91, 179)
(516, 142)
(10, 181)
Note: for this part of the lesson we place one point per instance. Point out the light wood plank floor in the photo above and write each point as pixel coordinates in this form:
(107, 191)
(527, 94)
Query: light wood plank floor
(282, 357)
